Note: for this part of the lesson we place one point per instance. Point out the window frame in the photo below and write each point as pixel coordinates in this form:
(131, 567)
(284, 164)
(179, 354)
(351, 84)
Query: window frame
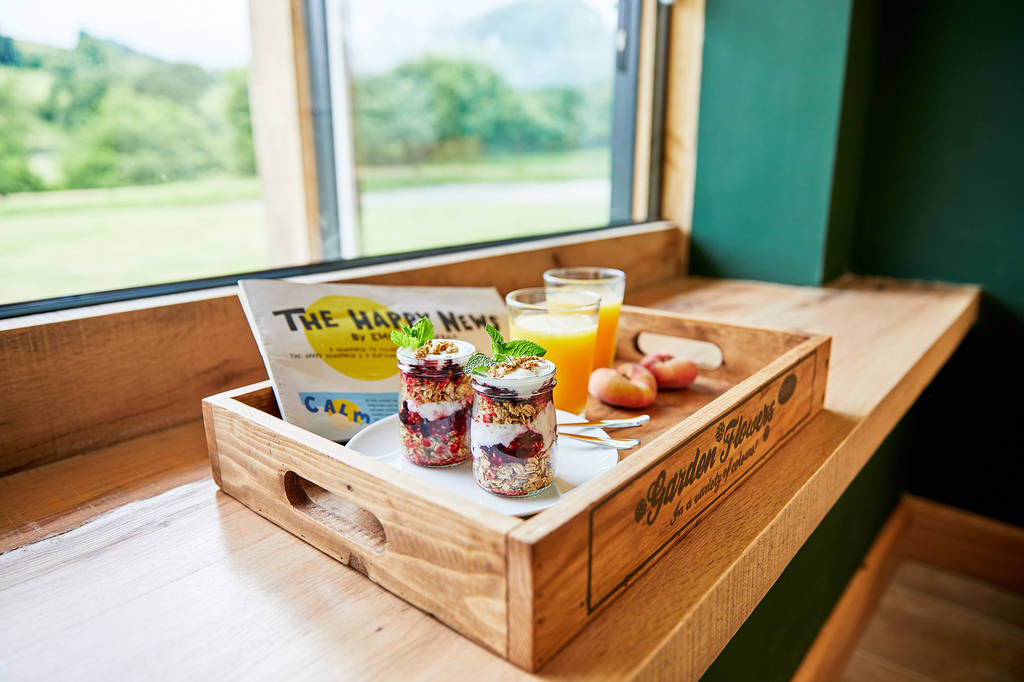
(337, 189)
(48, 305)
(307, 33)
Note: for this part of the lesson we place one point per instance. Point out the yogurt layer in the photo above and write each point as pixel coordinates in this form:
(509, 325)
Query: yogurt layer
(502, 434)
(438, 410)
(523, 381)
(465, 349)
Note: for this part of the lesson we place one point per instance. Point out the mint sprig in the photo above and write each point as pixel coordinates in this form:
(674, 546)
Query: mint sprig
(415, 336)
(497, 340)
(523, 347)
(477, 361)
(502, 351)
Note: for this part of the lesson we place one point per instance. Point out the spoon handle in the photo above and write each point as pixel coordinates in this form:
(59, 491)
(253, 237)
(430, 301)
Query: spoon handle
(617, 443)
(615, 423)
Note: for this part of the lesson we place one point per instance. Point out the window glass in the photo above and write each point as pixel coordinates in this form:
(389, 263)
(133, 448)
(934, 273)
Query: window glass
(126, 136)
(476, 120)
(126, 153)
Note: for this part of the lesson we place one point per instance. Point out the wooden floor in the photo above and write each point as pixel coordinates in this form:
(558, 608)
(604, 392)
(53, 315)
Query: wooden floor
(935, 624)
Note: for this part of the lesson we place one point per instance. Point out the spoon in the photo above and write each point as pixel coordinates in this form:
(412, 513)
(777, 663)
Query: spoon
(615, 423)
(617, 443)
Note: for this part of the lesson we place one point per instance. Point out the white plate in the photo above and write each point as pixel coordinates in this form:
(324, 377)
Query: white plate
(578, 462)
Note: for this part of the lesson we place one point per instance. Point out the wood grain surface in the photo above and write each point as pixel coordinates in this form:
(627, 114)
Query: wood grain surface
(278, 89)
(914, 550)
(51, 499)
(584, 551)
(682, 111)
(835, 642)
(956, 629)
(446, 557)
(967, 543)
(192, 583)
(79, 380)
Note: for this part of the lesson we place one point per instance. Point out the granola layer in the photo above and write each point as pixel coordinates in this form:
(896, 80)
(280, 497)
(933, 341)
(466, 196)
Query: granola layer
(514, 444)
(435, 407)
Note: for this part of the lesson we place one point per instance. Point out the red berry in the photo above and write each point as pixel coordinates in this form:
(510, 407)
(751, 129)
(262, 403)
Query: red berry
(425, 442)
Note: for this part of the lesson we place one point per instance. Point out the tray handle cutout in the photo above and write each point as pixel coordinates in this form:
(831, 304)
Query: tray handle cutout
(354, 523)
(704, 354)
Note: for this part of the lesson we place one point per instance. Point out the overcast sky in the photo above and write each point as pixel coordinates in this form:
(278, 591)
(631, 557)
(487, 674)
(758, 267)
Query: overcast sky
(215, 33)
(212, 33)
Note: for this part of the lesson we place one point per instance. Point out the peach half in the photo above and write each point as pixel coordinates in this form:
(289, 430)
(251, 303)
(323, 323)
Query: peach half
(669, 370)
(628, 385)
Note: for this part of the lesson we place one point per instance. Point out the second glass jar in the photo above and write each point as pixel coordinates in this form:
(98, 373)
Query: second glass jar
(513, 433)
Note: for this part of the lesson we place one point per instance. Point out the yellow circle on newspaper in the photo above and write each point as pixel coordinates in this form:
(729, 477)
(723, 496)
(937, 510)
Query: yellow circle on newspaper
(353, 336)
(345, 413)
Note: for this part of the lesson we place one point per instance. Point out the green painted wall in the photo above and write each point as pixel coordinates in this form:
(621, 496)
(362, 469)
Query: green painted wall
(771, 90)
(773, 640)
(942, 197)
(927, 184)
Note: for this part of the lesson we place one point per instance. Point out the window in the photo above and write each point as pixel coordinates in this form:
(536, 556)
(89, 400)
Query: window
(134, 136)
(126, 152)
(492, 119)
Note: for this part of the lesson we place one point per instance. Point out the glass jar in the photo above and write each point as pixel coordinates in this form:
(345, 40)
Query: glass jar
(435, 403)
(513, 432)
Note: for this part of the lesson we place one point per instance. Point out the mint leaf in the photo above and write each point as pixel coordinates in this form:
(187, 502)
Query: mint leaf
(423, 330)
(404, 339)
(477, 361)
(497, 342)
(415, 336)
(523, 347)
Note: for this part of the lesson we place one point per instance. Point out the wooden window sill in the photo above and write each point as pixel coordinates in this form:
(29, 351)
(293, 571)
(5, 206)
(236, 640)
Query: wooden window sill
(179, 578)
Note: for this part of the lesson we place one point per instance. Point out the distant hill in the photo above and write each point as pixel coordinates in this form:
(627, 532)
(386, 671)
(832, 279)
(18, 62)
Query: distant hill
(128, 61)
(36, 56)
(104, 114)
(544, 44)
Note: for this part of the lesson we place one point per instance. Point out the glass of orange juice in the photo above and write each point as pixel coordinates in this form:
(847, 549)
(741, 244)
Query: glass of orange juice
(610, 285)
(565, 323)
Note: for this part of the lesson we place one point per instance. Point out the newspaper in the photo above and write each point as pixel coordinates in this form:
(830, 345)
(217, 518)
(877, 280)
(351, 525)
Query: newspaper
(328, 347)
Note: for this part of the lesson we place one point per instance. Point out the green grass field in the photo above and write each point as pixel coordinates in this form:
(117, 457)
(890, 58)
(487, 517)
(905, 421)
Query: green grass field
(91, 240)
(389, 230)
(69, 242)
(584, 163)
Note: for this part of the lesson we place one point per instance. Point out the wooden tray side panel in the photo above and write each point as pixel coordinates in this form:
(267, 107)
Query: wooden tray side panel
(563, 572)
(745, 350)
(445, 562)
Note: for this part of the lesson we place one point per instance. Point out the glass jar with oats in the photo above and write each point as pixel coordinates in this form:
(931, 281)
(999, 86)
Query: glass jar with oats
(435, 403)
(513, 429)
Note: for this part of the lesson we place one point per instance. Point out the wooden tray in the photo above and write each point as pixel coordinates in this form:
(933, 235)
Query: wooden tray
(524, 588)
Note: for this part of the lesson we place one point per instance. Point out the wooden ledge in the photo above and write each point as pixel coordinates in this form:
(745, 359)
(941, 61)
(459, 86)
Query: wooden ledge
(217, 586)
(57, 497)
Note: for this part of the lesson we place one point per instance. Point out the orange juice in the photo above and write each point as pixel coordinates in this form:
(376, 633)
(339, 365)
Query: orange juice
(569, 339)
(607, 325)
(607, 283)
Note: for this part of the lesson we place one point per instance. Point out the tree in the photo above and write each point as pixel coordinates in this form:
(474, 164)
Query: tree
(137, 139)
(9, 55)
(183, 83)
(239, 121)
(81, 81)
(15, 174)
(423, 108)
(395, 122)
